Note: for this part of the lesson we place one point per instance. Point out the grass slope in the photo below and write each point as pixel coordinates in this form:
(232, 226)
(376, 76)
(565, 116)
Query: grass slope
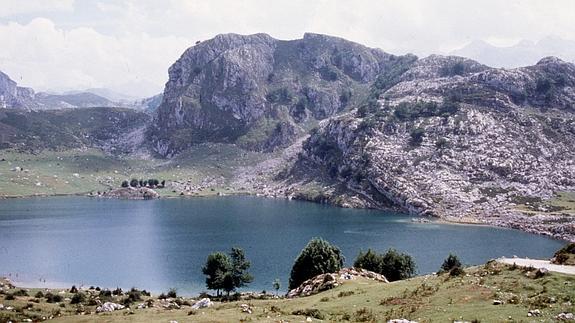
(425, 299)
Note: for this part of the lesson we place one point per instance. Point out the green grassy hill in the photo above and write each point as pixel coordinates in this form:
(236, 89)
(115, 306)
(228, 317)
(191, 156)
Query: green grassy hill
(424, 299)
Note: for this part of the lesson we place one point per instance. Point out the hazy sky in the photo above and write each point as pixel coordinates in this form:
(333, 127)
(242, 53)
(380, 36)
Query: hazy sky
(128, 45)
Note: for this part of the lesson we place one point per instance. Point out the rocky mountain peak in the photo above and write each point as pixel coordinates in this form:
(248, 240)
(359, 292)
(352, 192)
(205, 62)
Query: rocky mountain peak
(260, 92)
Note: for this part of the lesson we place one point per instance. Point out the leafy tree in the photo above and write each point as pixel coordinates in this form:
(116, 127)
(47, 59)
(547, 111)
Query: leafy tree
(216, 267)
(450, 263)
(134, 182)
(397, 266)
(125, 184)
(240, 265)
(369, 260)
(277, 285)
(318, 257)
(227, 272)
(393, 265)
(164, 183)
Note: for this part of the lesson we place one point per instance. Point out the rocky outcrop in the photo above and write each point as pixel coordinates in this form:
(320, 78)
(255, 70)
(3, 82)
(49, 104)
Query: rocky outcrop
(260, 92)
(324, 282)
(469, 144)
(13, 96)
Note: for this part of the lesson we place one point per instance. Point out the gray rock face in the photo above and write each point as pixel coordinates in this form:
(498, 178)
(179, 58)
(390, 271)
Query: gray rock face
(470, 146)
(13, 96)
(261, 92)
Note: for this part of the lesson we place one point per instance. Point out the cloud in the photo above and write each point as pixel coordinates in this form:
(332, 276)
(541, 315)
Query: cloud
(41, 55)
(115, 43)
(15, 7)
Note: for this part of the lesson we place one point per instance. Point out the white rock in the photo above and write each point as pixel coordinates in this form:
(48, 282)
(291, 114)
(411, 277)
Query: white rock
(204, 302)
(109, 307)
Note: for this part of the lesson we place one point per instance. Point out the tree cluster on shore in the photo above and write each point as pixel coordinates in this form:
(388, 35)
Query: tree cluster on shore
(150, 183)
(228, 272)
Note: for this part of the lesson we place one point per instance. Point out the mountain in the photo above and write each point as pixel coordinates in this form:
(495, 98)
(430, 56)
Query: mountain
(454, 139)
(149, 105)
(523, 53)
(13, 96)
(262, 93)
(72, 100)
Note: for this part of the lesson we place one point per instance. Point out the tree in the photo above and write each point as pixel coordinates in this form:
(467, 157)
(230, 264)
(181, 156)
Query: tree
(318, 257)
(397, 266)
(164, 183)
(227, 272)
(369, 260)
(125, 184)
(393, 265)
(450, 263)
(277, 285)
(134, 182)
(216, 267)
(417, 135)
(240, 275)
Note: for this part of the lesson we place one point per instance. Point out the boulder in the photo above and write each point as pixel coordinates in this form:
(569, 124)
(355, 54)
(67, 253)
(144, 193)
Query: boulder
(109, 307)
(202, 303)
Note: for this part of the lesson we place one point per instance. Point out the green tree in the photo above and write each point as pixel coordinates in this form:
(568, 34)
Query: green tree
(397, 266)
(451, 262)
(227, 272)
(240, 265)
(216, 267)
(369, 260)
(393, 265)
(277, 285)
(125, 184)
(318, 257)
(134, 182)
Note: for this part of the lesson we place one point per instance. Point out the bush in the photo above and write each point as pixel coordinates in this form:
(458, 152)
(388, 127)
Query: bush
(311, 312)
(20, 292)
(397, 266)
(39, 294)
(117, 292)
(53, 298)
(393, 265)
(417, 135)
(78, 298)
(73, 289)
(450, 262)
(318, 257)
(456, 271)
(9, 297)
(172, 293)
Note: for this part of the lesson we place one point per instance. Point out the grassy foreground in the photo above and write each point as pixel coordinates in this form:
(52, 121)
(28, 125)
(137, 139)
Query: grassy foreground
(425, 299)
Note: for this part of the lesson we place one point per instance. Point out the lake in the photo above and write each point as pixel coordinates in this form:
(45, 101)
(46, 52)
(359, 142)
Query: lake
(160, 244)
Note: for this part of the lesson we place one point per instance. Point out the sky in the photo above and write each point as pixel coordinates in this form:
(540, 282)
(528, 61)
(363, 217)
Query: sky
(128, 45)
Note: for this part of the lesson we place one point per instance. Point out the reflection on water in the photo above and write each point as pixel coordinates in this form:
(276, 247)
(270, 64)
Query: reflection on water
(162, 244)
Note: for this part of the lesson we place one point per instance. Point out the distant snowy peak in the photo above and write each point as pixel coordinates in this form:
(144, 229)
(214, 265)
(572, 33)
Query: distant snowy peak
(524, 53)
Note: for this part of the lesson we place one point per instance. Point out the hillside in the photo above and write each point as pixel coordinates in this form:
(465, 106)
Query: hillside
(35, 131)
(454, 139)
(489, 293)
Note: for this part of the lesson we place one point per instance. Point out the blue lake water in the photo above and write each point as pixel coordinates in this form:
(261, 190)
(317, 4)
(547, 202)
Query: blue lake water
(160, 244)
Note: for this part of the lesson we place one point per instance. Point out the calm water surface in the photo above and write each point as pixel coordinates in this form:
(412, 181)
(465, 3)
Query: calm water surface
(161, 244)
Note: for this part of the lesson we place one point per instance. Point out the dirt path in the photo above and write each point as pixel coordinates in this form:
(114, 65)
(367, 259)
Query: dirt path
(536, 263)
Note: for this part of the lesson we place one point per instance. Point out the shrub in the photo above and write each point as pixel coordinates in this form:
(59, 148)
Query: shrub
(397, 266)
(20, 292)
(417, 135)
(318, 257)
(172, 293)
(456, 271)
(39, 294)
(117, 292)
(393, 265)
(53, 298)
(9, 297)
(73, 289)
(78, 298)
(311, 312)
(449, 263)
